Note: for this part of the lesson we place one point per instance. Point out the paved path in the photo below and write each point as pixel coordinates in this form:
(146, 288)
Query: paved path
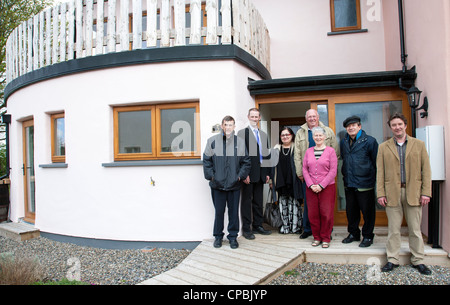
(263, 259)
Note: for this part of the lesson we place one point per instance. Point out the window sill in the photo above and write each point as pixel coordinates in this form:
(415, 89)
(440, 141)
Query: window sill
(153, 163)
(54, 165)
(347, 32)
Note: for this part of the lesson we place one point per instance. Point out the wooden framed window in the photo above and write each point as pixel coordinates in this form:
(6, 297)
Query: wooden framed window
(149, 132)
(345, 15)
(58, 137)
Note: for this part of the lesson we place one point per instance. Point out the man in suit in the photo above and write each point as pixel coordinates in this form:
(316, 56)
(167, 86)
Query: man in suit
(257, 145)
(303, 141)
(403, 187)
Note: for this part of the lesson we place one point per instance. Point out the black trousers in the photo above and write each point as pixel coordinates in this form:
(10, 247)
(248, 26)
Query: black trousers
(357, 202)
(252, 206)
(221, 200)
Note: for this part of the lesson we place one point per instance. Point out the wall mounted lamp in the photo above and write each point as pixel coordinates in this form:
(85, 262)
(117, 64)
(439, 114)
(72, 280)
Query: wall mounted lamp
(414, 99)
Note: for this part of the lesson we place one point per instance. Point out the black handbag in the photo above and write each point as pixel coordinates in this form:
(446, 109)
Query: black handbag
(272, 214)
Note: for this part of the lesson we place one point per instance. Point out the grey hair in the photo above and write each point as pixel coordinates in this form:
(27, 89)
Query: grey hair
(318, 129)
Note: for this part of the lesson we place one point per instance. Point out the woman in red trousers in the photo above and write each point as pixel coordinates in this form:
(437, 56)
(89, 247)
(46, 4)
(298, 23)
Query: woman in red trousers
(319, 172)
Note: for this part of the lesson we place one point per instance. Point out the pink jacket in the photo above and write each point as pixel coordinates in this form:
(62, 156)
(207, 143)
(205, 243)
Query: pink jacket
(322, 171)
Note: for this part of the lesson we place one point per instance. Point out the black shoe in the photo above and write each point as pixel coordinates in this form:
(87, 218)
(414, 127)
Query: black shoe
(261, 230)
(218, 243)
(350, 238)
(366, 242)
(248, 235)
(388, 267)
(234, 244)
(422, 269)
(305, 235)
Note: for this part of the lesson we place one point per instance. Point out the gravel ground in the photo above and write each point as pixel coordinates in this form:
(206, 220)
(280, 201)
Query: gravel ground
(129, 267)
(334, 274)
(97, 266)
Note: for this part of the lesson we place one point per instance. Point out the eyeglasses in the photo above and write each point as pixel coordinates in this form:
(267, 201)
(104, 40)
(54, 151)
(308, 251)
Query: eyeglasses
(286, 135)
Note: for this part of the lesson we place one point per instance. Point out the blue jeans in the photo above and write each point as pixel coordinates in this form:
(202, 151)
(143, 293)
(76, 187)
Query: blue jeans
(221, 200)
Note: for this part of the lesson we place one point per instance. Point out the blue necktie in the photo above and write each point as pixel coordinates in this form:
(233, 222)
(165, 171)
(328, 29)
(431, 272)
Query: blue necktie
(311, 139)
(259, 145)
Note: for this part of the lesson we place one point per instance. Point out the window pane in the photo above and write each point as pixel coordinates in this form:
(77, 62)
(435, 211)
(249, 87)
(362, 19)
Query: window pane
(135, 132)
(374, 118)
(31, 200)
(345, 14)
(322, 109)
(178, 130)
(60, 141)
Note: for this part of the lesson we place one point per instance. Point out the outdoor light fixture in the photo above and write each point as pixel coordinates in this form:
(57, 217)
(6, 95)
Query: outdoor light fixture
(413, 97)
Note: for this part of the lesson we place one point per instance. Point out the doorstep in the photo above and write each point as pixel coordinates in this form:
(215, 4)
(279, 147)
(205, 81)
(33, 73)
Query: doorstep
(18, 231)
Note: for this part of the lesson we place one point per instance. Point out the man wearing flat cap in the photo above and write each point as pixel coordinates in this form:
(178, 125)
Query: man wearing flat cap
(359, 156)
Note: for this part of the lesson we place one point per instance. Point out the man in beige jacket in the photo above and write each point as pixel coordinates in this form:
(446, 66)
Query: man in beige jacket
(403, 187)
(303, 141)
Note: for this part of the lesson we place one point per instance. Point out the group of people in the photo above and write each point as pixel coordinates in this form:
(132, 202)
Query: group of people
(303, 167)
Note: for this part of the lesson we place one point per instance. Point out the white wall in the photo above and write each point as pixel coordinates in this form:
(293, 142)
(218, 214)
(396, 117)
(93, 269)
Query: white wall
(89, 200)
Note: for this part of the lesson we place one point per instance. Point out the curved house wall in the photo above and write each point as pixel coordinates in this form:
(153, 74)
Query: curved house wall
(91, 200)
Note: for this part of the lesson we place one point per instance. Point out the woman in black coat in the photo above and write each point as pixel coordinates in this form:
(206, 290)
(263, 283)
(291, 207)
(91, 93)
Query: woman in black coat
(286, 186)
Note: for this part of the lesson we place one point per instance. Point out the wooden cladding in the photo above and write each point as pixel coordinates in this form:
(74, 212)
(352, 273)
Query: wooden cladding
(70, 30)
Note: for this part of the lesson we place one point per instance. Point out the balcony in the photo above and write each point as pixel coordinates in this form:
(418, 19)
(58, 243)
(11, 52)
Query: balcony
(71, 30)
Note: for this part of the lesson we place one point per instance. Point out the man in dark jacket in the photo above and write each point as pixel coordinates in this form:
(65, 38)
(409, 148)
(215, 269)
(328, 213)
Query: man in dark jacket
(226, 164)
(359, 155)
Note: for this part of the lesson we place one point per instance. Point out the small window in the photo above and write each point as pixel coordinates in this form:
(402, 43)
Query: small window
(58, 138)
(149, 132)
(345, 15)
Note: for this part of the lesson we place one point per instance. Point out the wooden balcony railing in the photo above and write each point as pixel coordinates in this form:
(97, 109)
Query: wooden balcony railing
(71, 30)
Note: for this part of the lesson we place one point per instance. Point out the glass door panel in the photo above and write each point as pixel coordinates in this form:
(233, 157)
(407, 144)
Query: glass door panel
(322, 110)
(28, 171)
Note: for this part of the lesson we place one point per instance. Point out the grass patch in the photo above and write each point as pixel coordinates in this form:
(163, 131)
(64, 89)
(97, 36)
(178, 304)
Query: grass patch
(292, 273)
(61, 282)
(334, 273)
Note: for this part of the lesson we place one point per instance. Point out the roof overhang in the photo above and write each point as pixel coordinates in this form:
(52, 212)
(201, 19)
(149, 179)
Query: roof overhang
(399, 79)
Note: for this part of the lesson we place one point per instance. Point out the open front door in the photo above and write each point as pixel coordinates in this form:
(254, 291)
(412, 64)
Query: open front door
(28, 170)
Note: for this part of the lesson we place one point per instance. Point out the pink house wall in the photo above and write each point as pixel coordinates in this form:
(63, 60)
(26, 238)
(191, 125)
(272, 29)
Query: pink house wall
(427, 27)
(300, 46)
